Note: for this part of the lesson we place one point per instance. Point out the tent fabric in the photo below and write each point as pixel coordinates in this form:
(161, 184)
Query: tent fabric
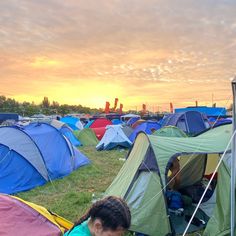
(73, 122)
(70, 135)
(126, 117)
(127, 130)
(170, 131)
(66, 131)
(219, 122)
(86, 137)
(88, 124)
(99, 132)
(99, 127)
(219, 223)
(33, 155)
(154, 154)
(116, 121)
(22, 218)
(132, 120)
(113, 137)
(146, 127)
(137, 123)
(58, 124)
(100, 122)
(191, 122)
(21, 143)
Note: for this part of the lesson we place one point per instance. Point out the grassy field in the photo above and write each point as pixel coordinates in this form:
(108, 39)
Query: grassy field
(71, 196)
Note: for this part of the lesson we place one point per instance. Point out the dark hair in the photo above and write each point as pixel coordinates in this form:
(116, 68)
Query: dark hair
(112, 211)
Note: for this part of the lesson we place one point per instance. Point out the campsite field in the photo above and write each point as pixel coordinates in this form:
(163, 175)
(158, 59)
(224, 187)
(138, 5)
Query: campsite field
(72, 195)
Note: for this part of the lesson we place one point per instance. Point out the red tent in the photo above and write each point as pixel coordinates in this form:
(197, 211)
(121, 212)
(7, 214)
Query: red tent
(100, 122)
(99, 127)
(99, 132)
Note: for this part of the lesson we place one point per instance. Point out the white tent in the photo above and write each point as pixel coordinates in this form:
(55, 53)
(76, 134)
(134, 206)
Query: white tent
(113, 137)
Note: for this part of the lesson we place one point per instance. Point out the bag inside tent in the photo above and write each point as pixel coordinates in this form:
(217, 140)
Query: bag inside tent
(193, 176)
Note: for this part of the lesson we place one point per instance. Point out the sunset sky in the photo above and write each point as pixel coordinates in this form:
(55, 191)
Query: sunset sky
(141, 51)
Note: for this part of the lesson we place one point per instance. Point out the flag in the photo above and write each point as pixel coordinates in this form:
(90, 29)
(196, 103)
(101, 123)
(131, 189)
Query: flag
(171, 108)
(115, 105)
(107, 108)
(121, 107)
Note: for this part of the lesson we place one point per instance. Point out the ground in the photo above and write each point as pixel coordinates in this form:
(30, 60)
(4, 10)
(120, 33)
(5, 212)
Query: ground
(71, 196)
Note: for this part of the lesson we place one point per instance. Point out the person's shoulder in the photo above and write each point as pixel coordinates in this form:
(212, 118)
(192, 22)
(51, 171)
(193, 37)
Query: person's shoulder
(80, 230)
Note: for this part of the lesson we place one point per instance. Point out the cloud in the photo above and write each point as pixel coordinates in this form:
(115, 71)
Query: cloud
(153, 51)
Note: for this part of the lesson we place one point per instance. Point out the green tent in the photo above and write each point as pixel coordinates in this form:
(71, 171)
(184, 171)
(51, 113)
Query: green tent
(170, 131)
(86, 136)
(143, 178)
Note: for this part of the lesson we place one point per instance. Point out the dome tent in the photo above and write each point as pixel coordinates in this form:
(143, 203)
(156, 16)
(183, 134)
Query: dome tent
(113, 137)
(22, 218)
(66, 130)
(191, 122)
(99, 127)
(32, 155)
(143, 178)
(73, 122)
(147, 127)
(86, 137)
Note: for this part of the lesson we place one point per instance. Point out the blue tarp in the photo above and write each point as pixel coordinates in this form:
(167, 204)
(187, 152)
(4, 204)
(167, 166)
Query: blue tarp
(32, 155)
(146, 127)
(208, 111)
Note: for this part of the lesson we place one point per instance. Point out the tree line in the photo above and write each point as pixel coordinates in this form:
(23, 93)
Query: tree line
(45, 107)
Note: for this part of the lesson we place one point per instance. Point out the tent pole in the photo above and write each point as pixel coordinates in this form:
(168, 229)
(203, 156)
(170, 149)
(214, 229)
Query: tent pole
(233, 162)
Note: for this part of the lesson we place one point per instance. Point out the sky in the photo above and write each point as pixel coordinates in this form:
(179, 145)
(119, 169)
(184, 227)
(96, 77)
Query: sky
(91, 51)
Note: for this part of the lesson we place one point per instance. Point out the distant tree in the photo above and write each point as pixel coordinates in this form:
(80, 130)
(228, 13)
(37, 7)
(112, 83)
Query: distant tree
(55, 104)
(29, 109)
(2, 100)
(45, 102)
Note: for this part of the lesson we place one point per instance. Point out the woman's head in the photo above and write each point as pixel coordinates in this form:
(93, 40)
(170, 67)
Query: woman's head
(108, 217)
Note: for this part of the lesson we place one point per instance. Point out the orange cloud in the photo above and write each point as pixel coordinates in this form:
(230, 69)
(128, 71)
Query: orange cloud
(81, 53)
(44, 62)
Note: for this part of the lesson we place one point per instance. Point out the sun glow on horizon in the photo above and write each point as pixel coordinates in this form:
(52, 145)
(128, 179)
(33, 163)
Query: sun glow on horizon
(44, 62)
(79, 53)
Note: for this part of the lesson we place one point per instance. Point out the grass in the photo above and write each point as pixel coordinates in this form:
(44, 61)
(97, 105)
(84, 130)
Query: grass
(71, 196)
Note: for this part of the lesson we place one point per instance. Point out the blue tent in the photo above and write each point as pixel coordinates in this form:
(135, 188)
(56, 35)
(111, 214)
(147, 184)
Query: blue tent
(73, 122)
(66, 131)
(89, 124)
(221, 121)
(32, 155)
(191, 122)
(116, 121)
(147, 127)
(132, 120)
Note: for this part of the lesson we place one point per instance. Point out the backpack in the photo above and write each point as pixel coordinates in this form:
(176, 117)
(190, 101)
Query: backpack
(174, 200)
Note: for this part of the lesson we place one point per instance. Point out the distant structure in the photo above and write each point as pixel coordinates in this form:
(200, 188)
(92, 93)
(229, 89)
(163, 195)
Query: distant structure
(8, 117)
